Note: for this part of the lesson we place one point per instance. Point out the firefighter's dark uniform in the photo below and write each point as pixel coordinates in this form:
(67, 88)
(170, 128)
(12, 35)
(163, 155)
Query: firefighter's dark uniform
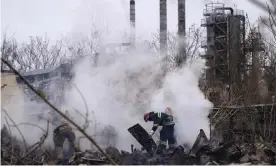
(60, 133)
(167, 131)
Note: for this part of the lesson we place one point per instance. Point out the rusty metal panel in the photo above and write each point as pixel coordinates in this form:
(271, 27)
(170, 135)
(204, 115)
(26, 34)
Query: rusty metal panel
(141, 135)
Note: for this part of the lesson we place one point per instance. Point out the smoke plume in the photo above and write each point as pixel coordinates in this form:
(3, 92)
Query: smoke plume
(122, 87)
(119, 89)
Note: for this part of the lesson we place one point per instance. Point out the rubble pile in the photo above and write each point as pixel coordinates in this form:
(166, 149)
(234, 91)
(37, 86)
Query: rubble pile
(14, 151)
(227, 153)
(203, 152)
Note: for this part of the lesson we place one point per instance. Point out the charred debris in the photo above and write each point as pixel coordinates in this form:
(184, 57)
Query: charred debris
(203, 151)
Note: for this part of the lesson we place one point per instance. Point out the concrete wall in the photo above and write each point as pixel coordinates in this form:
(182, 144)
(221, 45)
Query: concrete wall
(10, 89)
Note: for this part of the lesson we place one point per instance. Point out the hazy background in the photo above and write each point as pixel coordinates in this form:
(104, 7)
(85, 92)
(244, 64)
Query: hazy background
(108, 88)
(56, 18)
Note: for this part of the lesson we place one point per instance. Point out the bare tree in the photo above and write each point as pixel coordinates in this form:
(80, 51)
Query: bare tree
(270, 21)
(37, 53)
(192, 43)
(86, 45)
(270, 41)
(9, 50)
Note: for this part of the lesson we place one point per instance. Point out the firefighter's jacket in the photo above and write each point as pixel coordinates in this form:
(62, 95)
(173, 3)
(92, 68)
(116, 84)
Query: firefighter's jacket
(61, 132)
(161, 119)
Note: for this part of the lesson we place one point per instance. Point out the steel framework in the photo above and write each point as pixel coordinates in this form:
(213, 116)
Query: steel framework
(224, 45)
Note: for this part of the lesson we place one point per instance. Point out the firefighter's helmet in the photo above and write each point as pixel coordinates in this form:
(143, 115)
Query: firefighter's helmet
(168, 111)
(63, 121)
(146, 117)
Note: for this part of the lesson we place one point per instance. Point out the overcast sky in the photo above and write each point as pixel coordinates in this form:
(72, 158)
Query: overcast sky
(56, 18)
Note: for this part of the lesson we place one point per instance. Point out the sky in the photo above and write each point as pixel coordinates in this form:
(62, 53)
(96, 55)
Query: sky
(70, 18)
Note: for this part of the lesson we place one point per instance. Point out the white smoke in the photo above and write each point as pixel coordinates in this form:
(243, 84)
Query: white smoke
(181, 93)
(126, 85)
(123, 87)
(111, 90)
(119, 90)
(23, 114)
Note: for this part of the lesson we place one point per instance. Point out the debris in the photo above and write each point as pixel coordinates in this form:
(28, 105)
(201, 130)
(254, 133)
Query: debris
(12, 151)
(114, 154)
(140, 134)
(203, 152)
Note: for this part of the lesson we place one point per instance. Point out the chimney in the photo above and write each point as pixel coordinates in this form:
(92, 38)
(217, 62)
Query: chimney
(181, 31)
(132, 21)
(163, 26)
(181, 18)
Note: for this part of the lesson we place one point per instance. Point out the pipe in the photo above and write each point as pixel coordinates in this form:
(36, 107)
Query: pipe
(225, 8)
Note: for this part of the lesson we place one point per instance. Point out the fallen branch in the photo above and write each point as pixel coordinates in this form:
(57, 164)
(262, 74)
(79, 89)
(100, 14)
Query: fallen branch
(30, 124)
(268, 145)
(8, 125)
(86, 122)
(42, 139)
(58, 111)
(24, 140)
(85, 117)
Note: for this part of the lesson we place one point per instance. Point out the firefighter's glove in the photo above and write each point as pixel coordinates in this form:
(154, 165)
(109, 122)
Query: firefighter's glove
(151, 133)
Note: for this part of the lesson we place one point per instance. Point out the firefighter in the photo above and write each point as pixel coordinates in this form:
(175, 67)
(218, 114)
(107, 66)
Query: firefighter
(167, 131)
(63, 131)
(168, 111)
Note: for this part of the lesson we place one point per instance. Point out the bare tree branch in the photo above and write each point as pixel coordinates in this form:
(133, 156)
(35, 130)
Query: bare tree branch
(24, 140)
(58, 111)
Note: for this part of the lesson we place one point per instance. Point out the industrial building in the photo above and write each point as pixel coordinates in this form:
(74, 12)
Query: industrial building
(10, 89)
(225, 40)
(226, 47)
(234, 52)
(47, 80)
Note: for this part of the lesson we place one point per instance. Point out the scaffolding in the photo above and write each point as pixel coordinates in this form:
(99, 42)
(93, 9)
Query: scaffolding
(210, 8)
(224, 44)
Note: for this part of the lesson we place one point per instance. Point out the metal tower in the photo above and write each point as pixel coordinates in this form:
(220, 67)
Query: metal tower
(224, 44)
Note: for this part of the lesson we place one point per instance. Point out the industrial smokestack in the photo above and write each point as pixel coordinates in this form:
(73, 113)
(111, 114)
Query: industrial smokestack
(132, 21)
(163, 26)
(181, 18)
(181, 31)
